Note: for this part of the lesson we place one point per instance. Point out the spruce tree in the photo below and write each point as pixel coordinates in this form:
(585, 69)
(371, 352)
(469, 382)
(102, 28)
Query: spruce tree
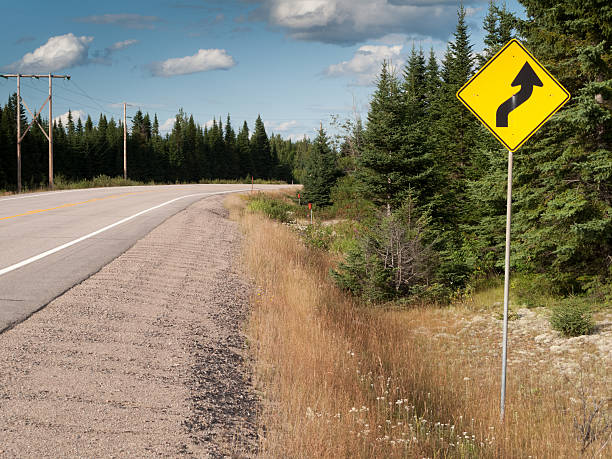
(432, 85)
(457, 134)
(380, 169)
(563, 187)
(320, 173)
(260, 150)
(244, 152)
(416, 150)
(491, 39)
(231, 154)
(415, 83)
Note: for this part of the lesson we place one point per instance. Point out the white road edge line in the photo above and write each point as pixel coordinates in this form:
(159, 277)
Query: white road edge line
(101, 230)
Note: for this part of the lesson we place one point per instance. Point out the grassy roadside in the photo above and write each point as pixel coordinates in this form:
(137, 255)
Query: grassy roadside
(340, 379)
(102, 181)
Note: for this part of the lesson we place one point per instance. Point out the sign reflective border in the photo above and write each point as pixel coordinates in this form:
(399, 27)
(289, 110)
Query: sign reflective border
(513, 95)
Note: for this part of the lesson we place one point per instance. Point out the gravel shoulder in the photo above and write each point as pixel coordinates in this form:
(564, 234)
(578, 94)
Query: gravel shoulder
(145, 358)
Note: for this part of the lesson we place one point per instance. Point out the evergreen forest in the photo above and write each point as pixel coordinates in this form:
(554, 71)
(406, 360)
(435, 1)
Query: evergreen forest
(426, 182)
(190, 153)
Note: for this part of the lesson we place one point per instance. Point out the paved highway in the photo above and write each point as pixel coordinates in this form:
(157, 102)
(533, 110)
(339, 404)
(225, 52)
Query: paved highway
(49, 242)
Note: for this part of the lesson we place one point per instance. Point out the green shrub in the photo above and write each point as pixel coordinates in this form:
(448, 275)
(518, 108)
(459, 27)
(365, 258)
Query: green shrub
(572, 318)
(364, 275)
(273, 208)
(347, 202)
(389, 259)
(319, 236)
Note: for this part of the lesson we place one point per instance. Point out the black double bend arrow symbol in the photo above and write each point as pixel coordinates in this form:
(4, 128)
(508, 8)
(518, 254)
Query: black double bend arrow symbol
(526, 79)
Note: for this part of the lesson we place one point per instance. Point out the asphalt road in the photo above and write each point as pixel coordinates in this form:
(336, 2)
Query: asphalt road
(50, 242)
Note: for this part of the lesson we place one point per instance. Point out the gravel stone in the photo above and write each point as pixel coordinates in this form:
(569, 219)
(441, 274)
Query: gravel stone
(146, 358)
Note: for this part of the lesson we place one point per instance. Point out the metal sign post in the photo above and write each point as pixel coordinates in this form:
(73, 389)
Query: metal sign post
(506, 287)
(512, 117)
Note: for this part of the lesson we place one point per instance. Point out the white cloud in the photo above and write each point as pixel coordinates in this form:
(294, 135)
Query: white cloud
(167, 126)
(302, 14)
(366, 62)
(129, 21)
(279, 127)
(122, 44)
(203, 61)
(352, 21)
(104, 56)
(76, 114)
(61, 52)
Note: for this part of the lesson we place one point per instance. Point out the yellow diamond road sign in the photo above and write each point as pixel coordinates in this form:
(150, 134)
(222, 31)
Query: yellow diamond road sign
(513, 95)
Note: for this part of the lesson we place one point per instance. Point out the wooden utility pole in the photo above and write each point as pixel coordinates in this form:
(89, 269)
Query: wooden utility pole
(18, 110)
(124, 141)
(48, 135)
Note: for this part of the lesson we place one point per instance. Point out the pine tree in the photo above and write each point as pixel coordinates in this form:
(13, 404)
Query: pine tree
(260, 151)
(70, 130)
(8, 133)
(320, 171)
(499, 23)
(563, 187)
(416, 150)
(491, 39)
(191, 165)
(231, 153)
(457, 134)
(217, 150)
(244, 152)
(415, 83)
(432, 86)
(176, 154)
(381, 170)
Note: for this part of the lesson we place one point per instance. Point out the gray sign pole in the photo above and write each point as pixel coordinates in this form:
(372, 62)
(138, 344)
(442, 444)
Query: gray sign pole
(506, 286)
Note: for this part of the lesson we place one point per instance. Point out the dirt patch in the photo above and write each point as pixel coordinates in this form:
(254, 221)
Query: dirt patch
(534, 344)
(145, 358)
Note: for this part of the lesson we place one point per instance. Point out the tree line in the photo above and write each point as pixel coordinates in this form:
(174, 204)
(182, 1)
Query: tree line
(189, 153)
(435, 179)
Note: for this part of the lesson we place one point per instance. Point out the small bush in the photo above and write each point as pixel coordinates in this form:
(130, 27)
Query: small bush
(318, 236)
(273, 208)
(389, 258)
(572, 318)
(347, 202)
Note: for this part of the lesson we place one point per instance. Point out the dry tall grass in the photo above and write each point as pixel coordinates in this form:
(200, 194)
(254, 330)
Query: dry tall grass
(343, 380)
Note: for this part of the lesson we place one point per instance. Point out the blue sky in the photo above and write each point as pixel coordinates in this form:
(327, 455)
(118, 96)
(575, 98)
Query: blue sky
(295, 62)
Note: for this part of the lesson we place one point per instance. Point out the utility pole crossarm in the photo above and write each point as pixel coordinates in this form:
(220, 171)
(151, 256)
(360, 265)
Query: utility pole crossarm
(22, 75)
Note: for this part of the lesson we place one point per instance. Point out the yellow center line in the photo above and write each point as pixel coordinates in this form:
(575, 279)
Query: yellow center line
(37, 211)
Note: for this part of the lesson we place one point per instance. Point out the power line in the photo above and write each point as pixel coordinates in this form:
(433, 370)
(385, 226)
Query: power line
(67, 99)
(87, 95)
(78, 102)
